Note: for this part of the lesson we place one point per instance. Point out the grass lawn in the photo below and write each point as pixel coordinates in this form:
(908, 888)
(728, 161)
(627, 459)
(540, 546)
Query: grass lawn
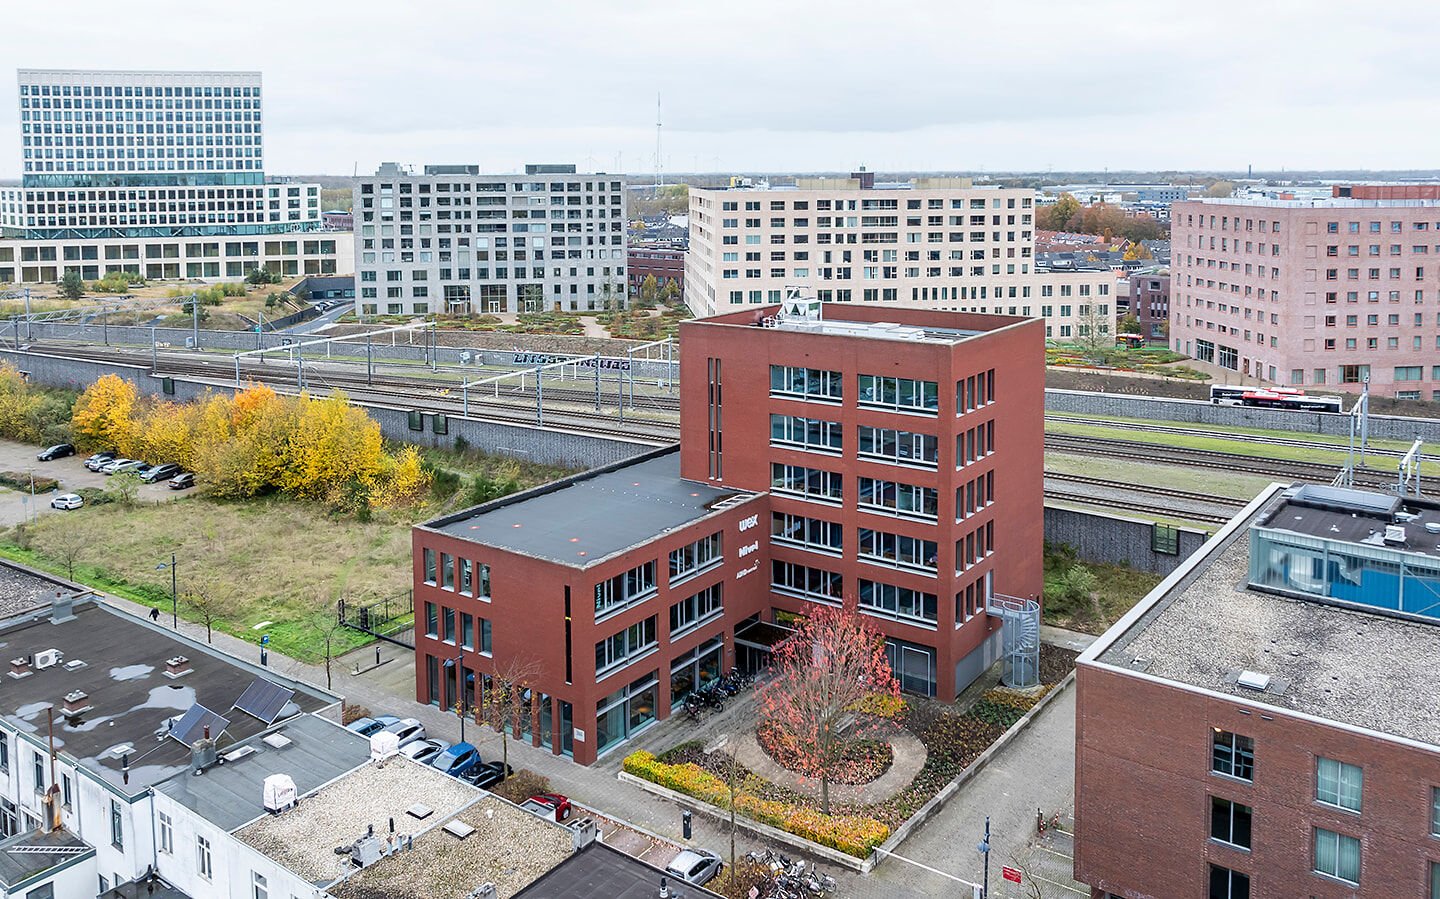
(1222, 445)
(1202, 430)
(271, 559)
(1117, 589)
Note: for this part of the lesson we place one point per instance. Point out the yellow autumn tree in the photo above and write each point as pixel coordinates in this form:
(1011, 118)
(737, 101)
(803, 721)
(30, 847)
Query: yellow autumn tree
(167, 433)
(405, 480)
(104, 416)
(335, 447)
(18, 404)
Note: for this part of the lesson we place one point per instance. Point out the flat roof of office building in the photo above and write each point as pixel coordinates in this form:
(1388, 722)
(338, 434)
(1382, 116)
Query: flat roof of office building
(313, 751)
(120, 662)
(582, 520)
(1342, 515)
(1203, 626)
(866, 321)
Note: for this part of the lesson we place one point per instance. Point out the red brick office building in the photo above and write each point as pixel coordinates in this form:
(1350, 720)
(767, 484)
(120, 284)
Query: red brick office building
(886, 459)
(1266, 723)
(665, 262)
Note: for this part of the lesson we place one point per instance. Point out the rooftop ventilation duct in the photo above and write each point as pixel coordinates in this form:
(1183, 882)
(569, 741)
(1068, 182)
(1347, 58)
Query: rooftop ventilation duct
(1253, 680)
(278, 793)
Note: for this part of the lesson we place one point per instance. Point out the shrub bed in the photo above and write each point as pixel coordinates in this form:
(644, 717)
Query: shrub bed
(21, 481)
(853, 835)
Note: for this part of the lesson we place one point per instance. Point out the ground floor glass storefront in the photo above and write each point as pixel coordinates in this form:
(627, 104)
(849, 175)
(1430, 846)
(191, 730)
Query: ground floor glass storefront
(625, 711)
(697, 668)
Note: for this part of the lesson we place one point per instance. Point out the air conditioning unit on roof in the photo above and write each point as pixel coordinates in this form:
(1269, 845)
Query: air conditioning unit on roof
(47, 658)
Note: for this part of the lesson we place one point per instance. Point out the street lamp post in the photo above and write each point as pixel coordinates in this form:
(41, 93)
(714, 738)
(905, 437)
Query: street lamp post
(984, 849)
(458, 663)
(174, 593)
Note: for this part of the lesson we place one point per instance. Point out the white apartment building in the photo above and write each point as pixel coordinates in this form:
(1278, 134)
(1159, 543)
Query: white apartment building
(149, 172)
(453, 240)
(937, 243)
(117, 691)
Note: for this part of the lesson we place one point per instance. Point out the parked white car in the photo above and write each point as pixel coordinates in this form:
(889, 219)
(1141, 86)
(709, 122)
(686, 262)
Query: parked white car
(67, 501)
(408, 730)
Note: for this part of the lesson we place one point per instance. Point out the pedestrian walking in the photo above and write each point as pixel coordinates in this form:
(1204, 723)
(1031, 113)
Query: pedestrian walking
(155, 614)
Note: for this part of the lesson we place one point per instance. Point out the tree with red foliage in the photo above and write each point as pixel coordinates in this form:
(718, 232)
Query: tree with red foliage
(835, 659)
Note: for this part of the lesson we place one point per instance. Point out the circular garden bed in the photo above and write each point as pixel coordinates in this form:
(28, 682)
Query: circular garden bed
(861, 761)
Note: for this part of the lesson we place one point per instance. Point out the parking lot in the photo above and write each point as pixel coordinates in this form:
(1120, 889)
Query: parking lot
(70, 472)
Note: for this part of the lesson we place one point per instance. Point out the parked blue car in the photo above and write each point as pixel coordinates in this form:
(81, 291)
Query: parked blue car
(458, 759)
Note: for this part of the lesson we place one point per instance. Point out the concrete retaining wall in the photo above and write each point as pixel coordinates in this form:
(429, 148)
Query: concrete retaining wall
(519, 441)
(1116, 540)
(1388, 427)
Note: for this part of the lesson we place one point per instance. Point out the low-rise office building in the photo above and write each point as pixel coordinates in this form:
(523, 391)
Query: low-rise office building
(663, 262)
(1264, 723)
(887, 459)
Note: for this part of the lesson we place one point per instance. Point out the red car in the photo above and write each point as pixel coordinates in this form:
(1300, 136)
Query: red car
(548, 805)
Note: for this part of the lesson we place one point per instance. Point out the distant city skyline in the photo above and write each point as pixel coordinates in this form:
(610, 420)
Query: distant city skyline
(800, 85)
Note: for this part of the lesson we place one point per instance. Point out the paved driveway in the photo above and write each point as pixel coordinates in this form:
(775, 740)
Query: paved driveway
(70, 472)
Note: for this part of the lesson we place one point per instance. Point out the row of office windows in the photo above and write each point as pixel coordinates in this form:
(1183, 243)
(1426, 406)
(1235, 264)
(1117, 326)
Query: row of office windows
(1337, 785)
(877, 598)
(466, 576)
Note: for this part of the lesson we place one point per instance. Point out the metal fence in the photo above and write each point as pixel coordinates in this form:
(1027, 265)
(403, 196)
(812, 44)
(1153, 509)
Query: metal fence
(391, 619)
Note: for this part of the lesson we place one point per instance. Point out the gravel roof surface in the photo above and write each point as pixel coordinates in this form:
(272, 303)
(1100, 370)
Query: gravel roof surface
(20, 592)
(509, 848)
(304, 838)
(1347, 666)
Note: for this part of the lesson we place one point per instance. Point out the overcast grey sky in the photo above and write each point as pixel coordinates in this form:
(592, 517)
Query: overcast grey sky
(789, 84)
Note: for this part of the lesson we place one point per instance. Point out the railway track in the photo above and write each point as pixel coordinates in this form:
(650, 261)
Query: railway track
(1283, 469)
(513, 406)
(1183, 495)
(392, 393)
(1129, 505)
(1217, 435)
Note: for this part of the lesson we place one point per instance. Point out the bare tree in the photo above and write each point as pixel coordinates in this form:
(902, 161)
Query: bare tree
(505, 705)
(209, 601)
(68, 545)
(328, 629)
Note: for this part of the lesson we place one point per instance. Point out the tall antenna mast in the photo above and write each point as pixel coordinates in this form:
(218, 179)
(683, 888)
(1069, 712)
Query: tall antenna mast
(659, 179)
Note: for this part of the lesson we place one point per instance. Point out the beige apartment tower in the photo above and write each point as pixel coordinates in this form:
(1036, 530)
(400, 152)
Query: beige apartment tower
(933, 243)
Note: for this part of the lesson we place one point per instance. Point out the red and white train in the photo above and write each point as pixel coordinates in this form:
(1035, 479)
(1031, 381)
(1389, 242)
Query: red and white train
(1274, 398)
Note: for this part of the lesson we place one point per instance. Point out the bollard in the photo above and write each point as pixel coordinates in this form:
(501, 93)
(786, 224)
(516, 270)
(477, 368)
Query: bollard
(377, 655)
(685, 822)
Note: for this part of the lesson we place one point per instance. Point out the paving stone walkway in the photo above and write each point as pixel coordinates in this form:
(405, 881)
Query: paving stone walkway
(908, 758)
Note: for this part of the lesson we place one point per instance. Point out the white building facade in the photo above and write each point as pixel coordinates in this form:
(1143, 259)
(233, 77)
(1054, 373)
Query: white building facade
(937, 243)
(149, 172)
(455, 241)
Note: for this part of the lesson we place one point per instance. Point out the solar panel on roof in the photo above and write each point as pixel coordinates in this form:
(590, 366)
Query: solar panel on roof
(192, 724)
(263, 699)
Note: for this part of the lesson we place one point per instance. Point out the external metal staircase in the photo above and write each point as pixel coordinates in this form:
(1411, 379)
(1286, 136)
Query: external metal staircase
(1020, 638)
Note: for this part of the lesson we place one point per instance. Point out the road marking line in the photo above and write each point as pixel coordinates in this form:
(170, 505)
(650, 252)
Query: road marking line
(1056, 852)
(1057, 883)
